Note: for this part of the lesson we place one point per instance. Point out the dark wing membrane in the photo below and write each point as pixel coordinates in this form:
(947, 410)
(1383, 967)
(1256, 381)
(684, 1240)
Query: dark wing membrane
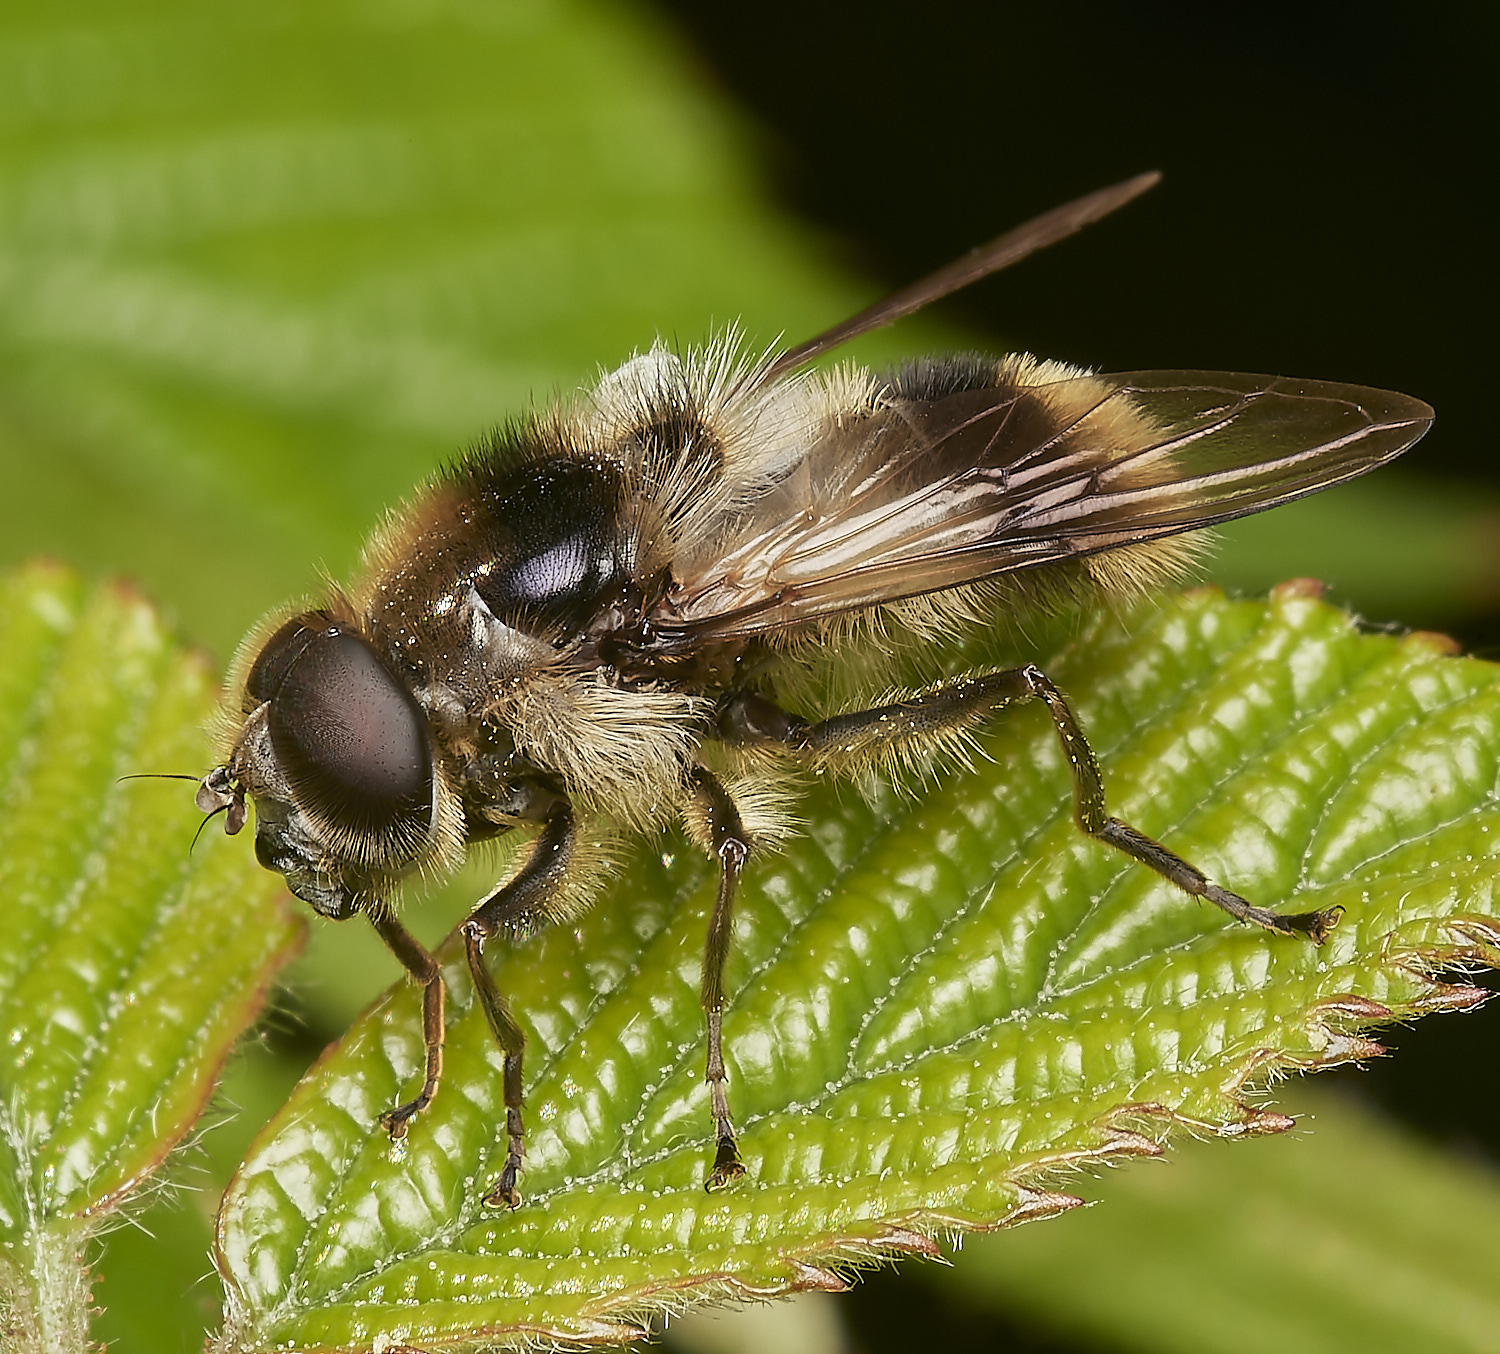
(921, 496)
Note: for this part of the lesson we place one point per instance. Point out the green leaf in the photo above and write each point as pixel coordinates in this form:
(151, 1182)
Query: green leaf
(128, 964)
(937, 1002)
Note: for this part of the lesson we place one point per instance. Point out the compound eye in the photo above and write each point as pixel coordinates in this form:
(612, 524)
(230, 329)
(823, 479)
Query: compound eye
(280, 652)
(348, 737)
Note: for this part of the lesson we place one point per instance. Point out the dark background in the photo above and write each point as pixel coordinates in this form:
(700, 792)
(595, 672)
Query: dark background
(1325, 213)
(1325, 169)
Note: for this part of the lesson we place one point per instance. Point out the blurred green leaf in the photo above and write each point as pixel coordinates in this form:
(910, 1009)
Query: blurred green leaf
(128, 965)
(264, 266)
(936, 1002)
(1349, 1236)
(1392, 546)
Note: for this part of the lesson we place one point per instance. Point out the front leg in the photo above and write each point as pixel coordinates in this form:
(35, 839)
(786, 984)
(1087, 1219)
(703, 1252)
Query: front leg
(715, 822)
(516, 906)
(424, 968)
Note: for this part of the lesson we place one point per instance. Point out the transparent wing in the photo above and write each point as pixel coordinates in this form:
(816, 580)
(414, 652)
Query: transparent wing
(924, 495)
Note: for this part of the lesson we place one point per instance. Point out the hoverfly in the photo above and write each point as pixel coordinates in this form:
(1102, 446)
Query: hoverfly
(553, 633)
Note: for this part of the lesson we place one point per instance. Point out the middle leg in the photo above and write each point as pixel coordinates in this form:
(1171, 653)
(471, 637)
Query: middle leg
(716, 822)
(517, 906)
